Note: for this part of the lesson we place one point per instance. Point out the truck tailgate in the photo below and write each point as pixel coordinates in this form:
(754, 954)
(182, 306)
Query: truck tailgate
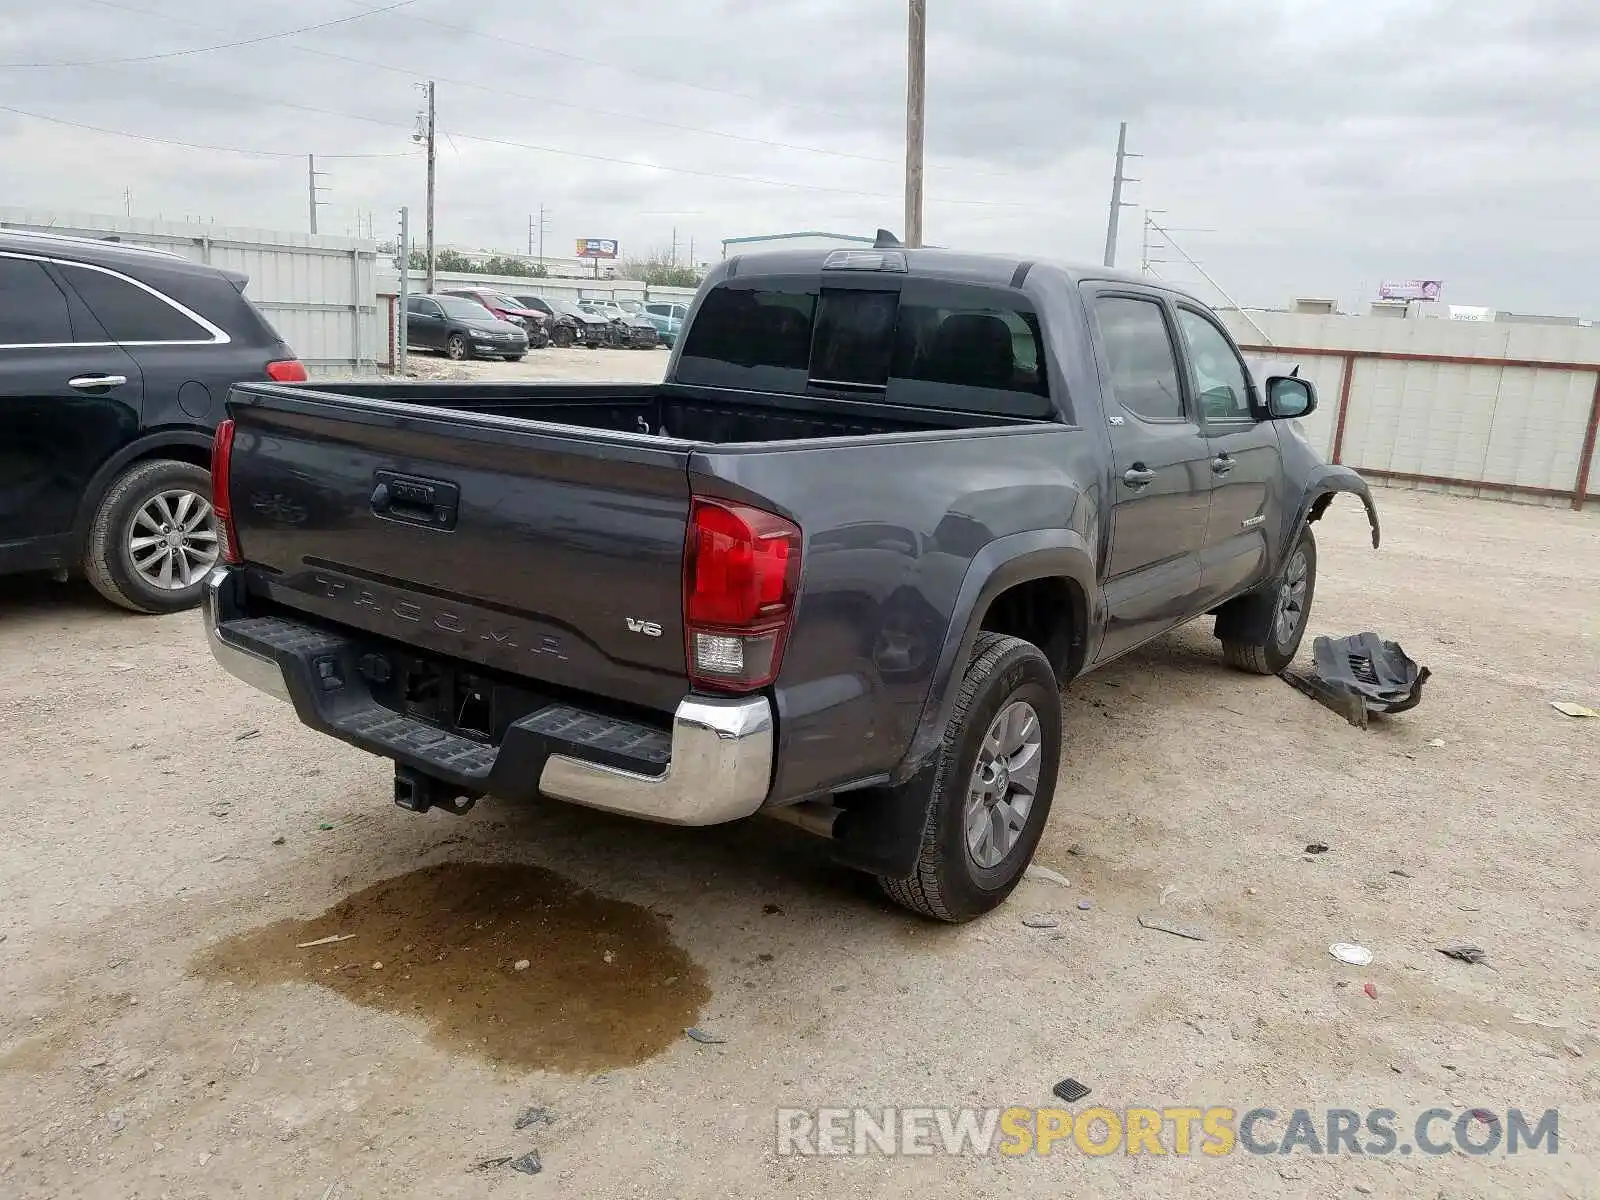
(544, 551)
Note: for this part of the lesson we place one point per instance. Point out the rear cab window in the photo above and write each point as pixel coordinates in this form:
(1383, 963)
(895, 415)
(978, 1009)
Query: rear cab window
(912, 341)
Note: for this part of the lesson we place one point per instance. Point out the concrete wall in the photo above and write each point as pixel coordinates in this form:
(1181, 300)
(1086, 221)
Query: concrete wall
(318, 292)
(1497, 409)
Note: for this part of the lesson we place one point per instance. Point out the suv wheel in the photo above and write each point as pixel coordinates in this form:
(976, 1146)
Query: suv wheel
(993, 785)
(1261, 632)
(154, 538)
(562, 336)
(456, 347)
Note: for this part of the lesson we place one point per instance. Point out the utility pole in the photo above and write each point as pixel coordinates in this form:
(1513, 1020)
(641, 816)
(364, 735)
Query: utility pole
(544, 224)
(691, 252)
(1117, 205)
(916, 95)
(674, 245)
(127, 202)
(402, 340)
(530, 235)
(312, 188)
(430, 140)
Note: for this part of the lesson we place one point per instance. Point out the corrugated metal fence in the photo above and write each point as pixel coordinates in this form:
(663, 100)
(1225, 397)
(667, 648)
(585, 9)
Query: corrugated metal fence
(1483, 408)
(319, 292)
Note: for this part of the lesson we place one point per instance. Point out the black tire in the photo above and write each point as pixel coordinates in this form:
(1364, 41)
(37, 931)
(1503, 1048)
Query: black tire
(948, 883)
(562, 336)
(515, 357)
(107, 557)
(455, 347)
(1252, 638)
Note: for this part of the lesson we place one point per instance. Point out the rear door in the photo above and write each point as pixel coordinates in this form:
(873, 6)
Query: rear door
(1161, 483)
(1244, 459)
(69, 399)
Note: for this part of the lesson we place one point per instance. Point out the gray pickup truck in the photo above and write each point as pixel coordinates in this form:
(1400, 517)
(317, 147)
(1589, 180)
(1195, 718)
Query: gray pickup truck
(835, 568)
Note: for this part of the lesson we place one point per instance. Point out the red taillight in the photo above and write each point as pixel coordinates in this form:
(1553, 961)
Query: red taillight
(221, 493)
(741, 570)
(287, 370)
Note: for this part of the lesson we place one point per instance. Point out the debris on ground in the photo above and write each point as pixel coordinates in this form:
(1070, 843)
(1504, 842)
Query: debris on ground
(1463, 952)
(1084, 906)
(1070, 1091)
(1349, 952)
(529, 1117)
(90, 1064)
(1402, 874)
(324, 826)
(489, 1164)
(1316, 848)
(1045, 875)
(279, 840)
(772, 910)
(1371, 990)
(1360, 675)
(521, 964)
(1573, 710)
(1172, 927)
(247, 735)
(1076, 849)
(1438, 743)
(527, 1164)
(326, 941)
(1040, 921)
(696, 1034)
(1573, 1049)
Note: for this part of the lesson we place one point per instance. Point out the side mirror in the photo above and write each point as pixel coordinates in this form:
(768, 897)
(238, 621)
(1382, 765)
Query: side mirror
(1288, 397)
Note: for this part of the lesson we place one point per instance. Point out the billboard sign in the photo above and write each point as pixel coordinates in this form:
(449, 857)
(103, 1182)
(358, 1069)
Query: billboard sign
(597, 248)
(1411, 289)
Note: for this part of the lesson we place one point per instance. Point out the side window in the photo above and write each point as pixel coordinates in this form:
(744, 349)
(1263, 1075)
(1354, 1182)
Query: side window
(1223, 387)
(1144, 369)
(33, 312)
(413, 304)
(129, 313)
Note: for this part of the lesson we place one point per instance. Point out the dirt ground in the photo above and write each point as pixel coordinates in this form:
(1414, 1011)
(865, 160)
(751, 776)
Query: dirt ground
(173, 840)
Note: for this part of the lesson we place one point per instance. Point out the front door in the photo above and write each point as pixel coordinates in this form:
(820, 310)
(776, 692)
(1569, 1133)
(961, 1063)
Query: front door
(69, 399)
(1244, 461)
(1161, 484)
(424, 323)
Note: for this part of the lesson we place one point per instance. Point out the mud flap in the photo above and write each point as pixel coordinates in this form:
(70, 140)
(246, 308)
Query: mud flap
(1360, 675)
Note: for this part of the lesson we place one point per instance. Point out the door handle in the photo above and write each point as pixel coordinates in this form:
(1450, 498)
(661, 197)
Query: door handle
(1221, 464)
(89, 383)
(1137, 476)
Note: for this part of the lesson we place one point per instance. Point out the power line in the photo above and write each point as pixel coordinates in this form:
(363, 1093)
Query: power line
(165, 141)
(250, 41)
(498, 90)
(605, 158)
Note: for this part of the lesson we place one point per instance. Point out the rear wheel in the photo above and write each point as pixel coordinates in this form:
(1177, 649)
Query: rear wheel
(154, 538)
(1261, 632)
(562, 336)
(455, 347)
(993, 785)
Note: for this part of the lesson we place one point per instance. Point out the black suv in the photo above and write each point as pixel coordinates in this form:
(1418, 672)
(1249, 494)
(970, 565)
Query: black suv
(114, 365)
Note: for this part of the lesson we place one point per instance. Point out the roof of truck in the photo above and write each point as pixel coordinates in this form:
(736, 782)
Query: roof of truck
(948, 264)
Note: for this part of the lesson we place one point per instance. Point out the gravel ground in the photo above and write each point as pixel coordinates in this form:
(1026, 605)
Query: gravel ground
(174, 839)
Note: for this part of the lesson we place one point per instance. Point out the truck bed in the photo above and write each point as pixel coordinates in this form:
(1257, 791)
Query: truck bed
(702, 415)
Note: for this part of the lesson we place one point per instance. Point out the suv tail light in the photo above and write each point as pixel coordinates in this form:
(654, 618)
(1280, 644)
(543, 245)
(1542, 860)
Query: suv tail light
(741, 570)
(221, 491)
(287, 370)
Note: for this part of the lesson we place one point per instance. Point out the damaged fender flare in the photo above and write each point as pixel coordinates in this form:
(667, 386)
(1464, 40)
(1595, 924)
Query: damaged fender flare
(1320, 490)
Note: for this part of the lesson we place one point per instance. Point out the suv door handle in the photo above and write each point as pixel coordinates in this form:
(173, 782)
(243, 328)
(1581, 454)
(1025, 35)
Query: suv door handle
(1221, 464)
(1138, 476)
(89, 383)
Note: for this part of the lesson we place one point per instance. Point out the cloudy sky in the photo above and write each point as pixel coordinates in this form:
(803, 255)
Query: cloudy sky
(1303, 147)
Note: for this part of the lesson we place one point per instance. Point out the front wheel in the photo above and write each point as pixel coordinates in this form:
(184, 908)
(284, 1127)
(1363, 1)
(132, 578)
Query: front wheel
(561, 336)
(456, 347)
(992, 787)
(1261, 632)
(154, 537)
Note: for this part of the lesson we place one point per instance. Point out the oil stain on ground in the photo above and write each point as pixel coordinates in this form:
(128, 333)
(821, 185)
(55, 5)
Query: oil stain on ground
(603, 983)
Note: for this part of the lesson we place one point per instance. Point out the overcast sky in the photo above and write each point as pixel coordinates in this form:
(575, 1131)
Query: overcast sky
(1315, 148)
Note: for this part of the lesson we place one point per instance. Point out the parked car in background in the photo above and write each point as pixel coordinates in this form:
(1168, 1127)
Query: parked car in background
(668, 319)
(629, 330)
(507, 308)
(567, 323)
(461, 328)
(114, 365)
